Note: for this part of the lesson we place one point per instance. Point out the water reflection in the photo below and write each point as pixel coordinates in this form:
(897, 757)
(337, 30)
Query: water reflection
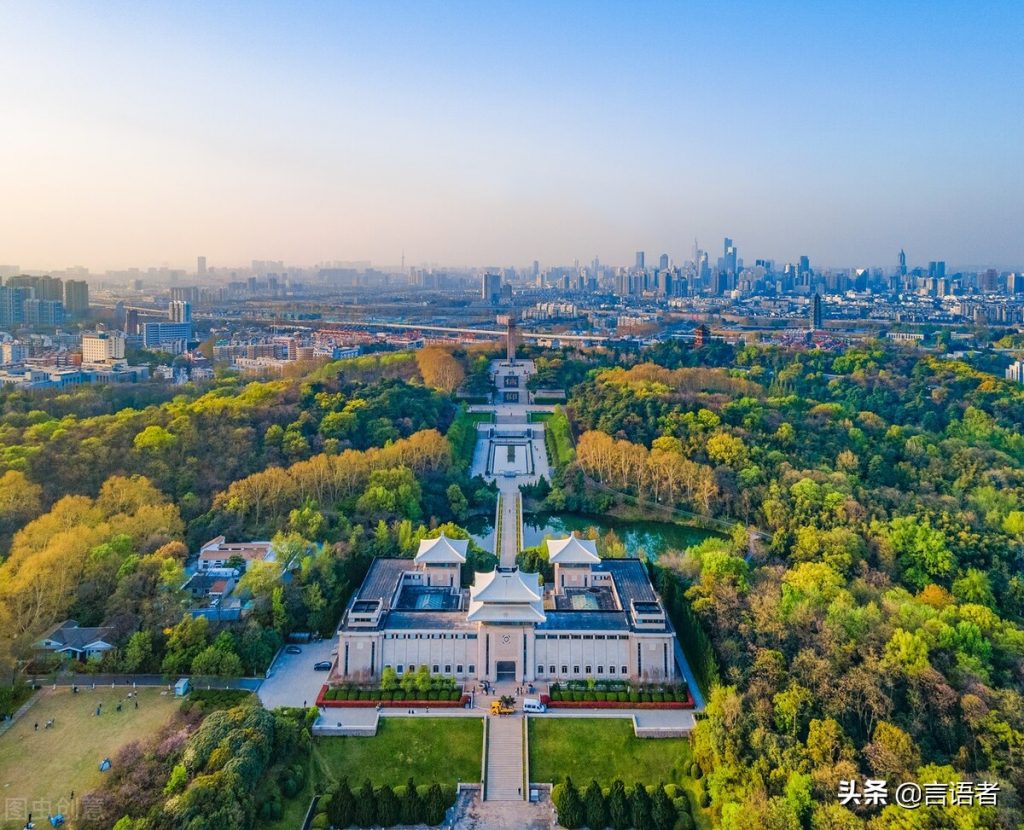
(653, 537)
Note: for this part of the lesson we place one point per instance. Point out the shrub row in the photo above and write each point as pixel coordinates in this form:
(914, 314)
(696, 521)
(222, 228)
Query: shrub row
(209, 700)
(679, 697)
(377, 694)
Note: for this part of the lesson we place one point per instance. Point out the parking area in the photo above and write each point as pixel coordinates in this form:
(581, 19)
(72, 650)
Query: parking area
(293, 680)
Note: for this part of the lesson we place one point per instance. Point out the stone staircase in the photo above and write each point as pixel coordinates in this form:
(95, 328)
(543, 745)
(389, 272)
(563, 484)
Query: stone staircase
(505, 759)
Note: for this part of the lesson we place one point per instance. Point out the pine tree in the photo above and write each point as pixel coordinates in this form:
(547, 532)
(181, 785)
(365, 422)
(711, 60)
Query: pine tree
(570, 807)
(411, 807)
(366, 805)
(436, 805)
(663, 813)
(640, 806)
(342, 806)
(619, 814)
(595, 810)
(388, 808)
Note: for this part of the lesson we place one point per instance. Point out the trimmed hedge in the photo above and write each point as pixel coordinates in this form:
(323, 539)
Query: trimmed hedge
(338, 698)
(667, 698)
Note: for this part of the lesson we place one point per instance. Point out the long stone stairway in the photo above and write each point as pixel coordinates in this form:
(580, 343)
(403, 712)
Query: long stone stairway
(505, 759)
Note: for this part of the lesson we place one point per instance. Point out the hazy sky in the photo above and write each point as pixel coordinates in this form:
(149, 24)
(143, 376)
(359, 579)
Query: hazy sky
(496, 133)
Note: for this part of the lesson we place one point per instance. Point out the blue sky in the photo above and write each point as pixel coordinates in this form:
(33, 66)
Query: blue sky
(497, 133)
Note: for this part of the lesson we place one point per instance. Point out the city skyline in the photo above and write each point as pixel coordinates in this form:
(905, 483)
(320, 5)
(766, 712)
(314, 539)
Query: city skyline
(471, 136)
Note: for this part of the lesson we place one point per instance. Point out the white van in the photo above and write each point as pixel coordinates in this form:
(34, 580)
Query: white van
(531, 704)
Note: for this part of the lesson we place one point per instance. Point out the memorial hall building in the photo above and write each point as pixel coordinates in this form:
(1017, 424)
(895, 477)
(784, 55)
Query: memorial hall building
(600, 618)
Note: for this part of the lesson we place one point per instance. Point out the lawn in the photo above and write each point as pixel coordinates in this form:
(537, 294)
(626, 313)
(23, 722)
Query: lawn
(442, 750)
(606, 749)
(45, 766)
(539, 417)
(482, 417)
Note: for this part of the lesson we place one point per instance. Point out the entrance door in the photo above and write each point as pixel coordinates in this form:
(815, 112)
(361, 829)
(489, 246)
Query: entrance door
(506, 670)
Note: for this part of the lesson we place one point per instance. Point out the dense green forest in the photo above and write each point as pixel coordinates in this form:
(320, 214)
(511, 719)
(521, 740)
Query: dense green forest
(874, 628)
(101, 506)
(865, 620)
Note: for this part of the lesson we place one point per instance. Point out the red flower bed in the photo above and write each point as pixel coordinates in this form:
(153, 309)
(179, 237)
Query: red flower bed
(613, 704)
(408, 704)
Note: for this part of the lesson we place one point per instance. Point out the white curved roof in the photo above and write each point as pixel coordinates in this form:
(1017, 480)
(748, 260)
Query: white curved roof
(506, 596)
(572, 551)
(442, 550)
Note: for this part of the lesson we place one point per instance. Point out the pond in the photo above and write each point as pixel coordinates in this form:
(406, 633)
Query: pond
(653, 537)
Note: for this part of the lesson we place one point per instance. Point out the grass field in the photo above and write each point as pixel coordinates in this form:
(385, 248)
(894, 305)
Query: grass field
(45, 766)
(538, 417)
(442, 750)
(482, 417)
(606, 749)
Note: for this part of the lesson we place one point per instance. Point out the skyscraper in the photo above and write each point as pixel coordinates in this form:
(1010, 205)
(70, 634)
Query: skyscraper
(201, 266)
(640, 261)
(663, 262)
(490, 291)
(815, 316)
(179, 311)
(903, 263)
(76, 297)
(729, 258)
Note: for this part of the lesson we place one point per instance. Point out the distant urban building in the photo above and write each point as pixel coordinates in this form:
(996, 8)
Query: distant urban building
(702, 336)
(49, 313)
(663, 262)
(201, 266)
(43, 288)
(167, 337)
(815, 317)
(905, 336)
(490, 291)
(729, 262)
(179, 311)
(12, 304)
(102, 346)
(76, 297)
(12, 351)
(1015, 371)
(640, 261)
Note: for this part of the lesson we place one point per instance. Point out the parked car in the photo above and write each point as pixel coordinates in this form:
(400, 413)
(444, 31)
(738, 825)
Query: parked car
(293, 650)
(323, 665)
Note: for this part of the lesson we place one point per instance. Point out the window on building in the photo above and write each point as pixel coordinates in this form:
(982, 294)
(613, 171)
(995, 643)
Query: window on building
(540, 670)
(448, 668)
(575, 669)
(625, 669)
(600, 669)
(565, 669)
(588, 671)
(472, 669)
(458, 669)
(611, 670)
(399, 668)
(412, 667)
(436, 669)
